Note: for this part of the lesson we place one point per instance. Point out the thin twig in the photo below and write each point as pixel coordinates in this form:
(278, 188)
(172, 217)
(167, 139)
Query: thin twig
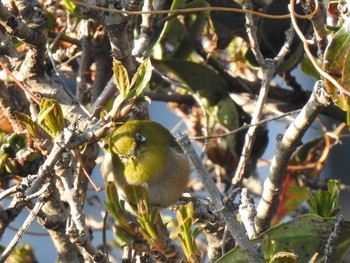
(269, 68)
(24, 88)
(191, 10)
(246, 126)
(25, 226)
(252, 34)
(78, 230)
(318, 25)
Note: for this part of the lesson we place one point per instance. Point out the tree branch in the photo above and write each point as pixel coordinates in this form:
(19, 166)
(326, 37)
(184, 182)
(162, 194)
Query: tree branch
(225, 210)
(286, 145)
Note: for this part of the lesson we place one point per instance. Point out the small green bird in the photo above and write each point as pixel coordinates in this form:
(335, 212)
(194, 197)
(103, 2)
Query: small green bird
(143, 152)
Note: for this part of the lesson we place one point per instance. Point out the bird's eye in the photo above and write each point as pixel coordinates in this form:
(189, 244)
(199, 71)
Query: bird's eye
(140, 138)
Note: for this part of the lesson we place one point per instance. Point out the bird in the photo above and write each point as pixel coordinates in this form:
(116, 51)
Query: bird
(144, 153)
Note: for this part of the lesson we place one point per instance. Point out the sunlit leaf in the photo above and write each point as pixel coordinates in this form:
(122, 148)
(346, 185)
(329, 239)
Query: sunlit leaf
(28, 123)
(125, 228)
(10, 167)
(70, 6)
(50, 117)
(141, 78)
(336, 63)
(121, 78)
(184, 217)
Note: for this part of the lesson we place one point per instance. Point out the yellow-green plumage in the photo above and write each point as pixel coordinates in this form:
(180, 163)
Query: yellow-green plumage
(143, 152)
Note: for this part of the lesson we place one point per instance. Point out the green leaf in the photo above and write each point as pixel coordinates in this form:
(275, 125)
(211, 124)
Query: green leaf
(201, 79)
(337, 64)
(125, 227)
(175, 40)
(140, 79)
(50, 117)
(18, 142)
(70, 6)
(28, 123)
(326, 203)
(187, 236)
(212, 90)
(227, 115)
(304, 236)
(192, 28)
(171, 33)
(121, 78)
(10, 167)
(308, 68)
(269, 247)
(135, 194)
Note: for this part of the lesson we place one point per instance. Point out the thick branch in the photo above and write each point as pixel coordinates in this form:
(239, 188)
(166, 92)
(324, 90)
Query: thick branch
(286, 145)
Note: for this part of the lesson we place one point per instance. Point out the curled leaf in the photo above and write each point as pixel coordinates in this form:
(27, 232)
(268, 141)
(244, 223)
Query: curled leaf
(50, 117)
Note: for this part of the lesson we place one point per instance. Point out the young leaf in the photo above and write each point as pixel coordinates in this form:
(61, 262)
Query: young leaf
(140, 79)
(121, 78)
(325, 203)
(28, 123)
(70, 6)
(125, 228)
(187, 236)
(50, 117)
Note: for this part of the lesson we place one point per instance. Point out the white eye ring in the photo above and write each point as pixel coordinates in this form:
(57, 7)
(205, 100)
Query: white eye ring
(140, 138)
